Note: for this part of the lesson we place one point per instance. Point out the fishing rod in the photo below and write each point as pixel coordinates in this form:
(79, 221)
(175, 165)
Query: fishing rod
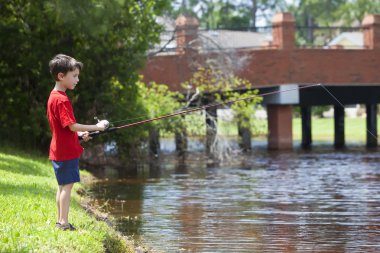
(112, 129)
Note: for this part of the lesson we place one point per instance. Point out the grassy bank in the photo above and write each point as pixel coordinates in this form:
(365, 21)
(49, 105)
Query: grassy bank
(28, 212)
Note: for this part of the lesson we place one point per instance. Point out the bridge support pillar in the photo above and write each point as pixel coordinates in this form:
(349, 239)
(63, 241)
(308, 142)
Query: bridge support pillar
(211, 127)
(280, 134)
(306, 127)
(339, 141)
(371, 110)
(245, 136)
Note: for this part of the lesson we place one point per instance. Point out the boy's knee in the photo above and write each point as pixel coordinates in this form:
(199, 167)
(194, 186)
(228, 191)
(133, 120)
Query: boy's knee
(67, 186)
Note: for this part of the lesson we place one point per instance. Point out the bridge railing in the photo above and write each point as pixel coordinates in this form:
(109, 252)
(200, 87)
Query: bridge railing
(329, 36)
(260, 37)
(216, 39)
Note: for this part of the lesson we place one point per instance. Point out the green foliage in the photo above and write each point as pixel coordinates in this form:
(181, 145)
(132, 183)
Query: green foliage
(332, 12)
(109, 37)
(182, 7)
(234, 14)
(216, 86)
(245, 109)
(226, 14)
(356, 10)
(313, 13)
(319, 110)
(158, 100)
(321, 12)
(316, 111)
(150, 101)
(28, 212)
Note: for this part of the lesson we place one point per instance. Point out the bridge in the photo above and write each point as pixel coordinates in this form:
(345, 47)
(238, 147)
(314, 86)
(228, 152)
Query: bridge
(353, 75)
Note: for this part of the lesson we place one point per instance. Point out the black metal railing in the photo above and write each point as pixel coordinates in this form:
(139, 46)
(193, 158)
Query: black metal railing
(306, 37)
(322, 37)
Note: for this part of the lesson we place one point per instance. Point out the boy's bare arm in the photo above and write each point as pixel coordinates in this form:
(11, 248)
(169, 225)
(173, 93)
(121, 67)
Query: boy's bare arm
(76, 127)
(101, 126)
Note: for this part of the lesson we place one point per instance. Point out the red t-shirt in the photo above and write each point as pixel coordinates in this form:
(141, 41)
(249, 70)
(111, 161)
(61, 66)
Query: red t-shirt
(64, 143)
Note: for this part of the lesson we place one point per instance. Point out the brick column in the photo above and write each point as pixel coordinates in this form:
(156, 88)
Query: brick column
(371, 31)
(186, 32)
(283, 30)
(280, 134)
(280, 116)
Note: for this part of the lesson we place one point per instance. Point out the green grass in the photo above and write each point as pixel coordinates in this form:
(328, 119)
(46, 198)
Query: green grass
(28, 212)
(322, 129)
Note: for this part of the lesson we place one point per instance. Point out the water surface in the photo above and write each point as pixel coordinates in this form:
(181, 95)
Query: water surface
(319, 201)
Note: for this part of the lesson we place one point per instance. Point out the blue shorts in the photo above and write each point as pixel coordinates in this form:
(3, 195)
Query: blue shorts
(66, 172)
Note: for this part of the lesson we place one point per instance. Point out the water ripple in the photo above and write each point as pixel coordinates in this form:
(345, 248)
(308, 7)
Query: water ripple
(272, 202)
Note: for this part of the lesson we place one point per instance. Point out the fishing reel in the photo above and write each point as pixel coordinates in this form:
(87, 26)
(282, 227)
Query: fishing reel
(102, 122)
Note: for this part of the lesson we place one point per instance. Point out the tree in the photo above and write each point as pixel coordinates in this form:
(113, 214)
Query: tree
(220, 85)
(354, 11)
(227, 13)
(313, 12)
(310, 14)
(109, 37)
(265, 9)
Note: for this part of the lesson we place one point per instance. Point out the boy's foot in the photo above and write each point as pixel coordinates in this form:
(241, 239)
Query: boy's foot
(64, 227)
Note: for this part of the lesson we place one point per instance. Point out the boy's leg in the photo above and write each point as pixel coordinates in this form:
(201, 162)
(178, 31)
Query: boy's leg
(64, 203)
(57, 198)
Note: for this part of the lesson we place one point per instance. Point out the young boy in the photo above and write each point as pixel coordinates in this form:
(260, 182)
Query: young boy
(65, 149)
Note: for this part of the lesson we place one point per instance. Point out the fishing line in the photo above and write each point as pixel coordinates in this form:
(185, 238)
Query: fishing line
(128, 119)
(111, 129)
(341, 104)
(140, 117)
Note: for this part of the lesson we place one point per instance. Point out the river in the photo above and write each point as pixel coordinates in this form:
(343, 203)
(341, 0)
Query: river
(300, 201)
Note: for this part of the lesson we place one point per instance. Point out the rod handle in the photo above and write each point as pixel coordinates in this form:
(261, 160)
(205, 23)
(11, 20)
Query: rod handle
(96, 133)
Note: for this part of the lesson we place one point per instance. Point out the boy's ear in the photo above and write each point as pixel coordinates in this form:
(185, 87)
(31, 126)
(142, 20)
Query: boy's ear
(60, 76)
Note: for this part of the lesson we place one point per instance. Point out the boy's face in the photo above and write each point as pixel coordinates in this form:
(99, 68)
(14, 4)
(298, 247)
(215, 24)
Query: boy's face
(70, 80)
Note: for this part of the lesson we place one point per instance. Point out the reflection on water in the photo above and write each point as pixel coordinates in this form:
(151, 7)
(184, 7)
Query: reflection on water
(319, 201)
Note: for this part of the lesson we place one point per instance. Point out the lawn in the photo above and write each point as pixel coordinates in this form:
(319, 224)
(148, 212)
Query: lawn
(322, 129)
(28, 212)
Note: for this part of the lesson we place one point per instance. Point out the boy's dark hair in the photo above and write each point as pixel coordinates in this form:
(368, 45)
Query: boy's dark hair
(62, 64)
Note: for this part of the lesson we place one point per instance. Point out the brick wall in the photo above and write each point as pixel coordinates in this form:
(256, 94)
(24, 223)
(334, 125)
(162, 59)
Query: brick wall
(283, 65)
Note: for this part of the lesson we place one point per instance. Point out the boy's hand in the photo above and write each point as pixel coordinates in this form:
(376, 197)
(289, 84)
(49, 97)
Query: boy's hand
(84, 136)
(103, 125)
